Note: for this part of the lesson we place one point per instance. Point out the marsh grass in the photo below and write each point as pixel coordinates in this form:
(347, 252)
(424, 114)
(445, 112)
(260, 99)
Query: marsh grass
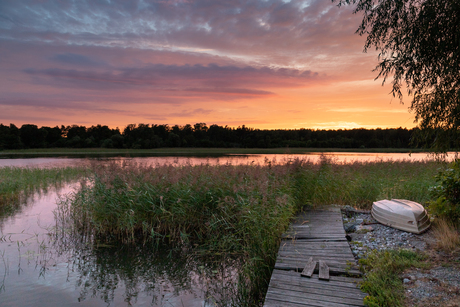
(382, 281)
(359, 184)
(239, 211)
(446, 236)
(235, 210)
(16, 184)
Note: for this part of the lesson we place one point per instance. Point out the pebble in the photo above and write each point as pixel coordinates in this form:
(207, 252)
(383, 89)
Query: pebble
(439, 285)
(366, 234)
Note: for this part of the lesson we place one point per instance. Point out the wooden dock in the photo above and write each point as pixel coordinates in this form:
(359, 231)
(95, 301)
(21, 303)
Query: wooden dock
(315, 237)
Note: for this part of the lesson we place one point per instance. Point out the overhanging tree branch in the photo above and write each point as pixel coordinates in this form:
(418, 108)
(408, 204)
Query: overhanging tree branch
(419, 45)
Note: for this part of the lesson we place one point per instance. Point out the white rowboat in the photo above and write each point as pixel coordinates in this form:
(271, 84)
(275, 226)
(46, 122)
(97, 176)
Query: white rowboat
(401, 214)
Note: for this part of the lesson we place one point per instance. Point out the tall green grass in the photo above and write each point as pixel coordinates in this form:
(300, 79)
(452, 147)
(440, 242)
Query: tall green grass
(239, 211)
(17, 183)
(236, 210)
(382, 281)
(359, 184)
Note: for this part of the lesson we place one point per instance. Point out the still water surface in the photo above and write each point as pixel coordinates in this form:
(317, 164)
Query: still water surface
(39, 269)
(340, 157)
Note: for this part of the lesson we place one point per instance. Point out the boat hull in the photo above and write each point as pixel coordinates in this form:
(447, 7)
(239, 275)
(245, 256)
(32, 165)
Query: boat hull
(401, 214)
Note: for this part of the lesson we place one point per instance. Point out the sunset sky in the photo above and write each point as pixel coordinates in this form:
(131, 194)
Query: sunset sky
(268, 64)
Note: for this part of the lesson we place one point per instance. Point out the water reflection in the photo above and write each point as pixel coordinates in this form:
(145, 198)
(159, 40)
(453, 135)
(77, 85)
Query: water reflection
(15, 204)
(157, 277)
(39, 268)
(339, 157)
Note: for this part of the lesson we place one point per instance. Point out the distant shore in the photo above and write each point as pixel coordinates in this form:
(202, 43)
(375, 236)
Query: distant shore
(103, 152)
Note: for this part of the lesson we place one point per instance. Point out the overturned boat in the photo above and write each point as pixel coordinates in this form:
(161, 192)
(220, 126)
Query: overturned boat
(401, 214)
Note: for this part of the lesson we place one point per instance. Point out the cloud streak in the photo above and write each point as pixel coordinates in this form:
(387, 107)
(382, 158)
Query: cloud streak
(184, 60)
(248, 28)
(212, 78)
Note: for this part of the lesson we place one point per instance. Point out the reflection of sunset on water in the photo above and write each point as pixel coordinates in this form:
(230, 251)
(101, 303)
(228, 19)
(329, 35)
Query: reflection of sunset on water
(237, 159)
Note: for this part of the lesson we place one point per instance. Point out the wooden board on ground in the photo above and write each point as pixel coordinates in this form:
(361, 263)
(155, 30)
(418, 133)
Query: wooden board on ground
(309, 268)
(323, 270)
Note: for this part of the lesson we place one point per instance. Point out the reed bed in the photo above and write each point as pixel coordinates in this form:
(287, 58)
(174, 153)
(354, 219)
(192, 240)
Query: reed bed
(359, 184)
(17, 183)
(234, 210)
(239, 211)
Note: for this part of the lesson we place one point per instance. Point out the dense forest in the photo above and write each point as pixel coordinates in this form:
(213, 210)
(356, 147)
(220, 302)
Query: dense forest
(146, 136)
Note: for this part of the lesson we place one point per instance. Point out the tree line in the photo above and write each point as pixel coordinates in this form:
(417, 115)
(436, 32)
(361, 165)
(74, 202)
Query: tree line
(147, 136)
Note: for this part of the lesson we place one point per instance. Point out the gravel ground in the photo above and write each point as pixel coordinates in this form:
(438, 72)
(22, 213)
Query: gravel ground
(437, 286)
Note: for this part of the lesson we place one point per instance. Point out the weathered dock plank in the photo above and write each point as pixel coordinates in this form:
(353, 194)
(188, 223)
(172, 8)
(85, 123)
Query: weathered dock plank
(323, 270)
(309, 268)
(315, 246)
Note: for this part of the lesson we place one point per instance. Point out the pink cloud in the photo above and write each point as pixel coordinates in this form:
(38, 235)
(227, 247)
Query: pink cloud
(173, 60)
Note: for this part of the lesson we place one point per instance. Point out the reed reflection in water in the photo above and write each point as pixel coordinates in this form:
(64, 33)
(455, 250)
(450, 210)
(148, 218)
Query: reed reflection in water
(44, 267)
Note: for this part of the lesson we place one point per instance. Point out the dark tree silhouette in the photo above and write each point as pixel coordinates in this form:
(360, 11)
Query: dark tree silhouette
(419, 44)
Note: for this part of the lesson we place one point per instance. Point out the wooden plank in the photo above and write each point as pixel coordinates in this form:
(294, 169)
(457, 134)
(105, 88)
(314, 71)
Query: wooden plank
(315, 244)
(309, 268)
(333, 269)
(334, 281)
(307, 244)
(317, 250)
(294, 255)
(321, 290)
(323, 270)
(317, 232)
(276, 303)
(288, 274)
(318, 224)
(305, 255)
(331, 262)
(300, 250)
(314, 236)
(285, 238)
(308, 294)
(306, 251)
(306, 301)
(321, 223)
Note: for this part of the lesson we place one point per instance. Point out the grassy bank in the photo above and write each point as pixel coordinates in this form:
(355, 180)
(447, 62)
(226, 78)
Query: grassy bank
(239, 211)
(54, 152)
(382, 281)
(16, 183)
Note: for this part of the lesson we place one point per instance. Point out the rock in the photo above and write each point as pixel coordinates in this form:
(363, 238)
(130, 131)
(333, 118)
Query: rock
(350, 227)
(364, 228)
(406, 280)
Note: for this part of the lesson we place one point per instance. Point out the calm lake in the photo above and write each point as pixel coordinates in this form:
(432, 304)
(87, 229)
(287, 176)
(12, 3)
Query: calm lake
(38, 268)
(340, 157)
